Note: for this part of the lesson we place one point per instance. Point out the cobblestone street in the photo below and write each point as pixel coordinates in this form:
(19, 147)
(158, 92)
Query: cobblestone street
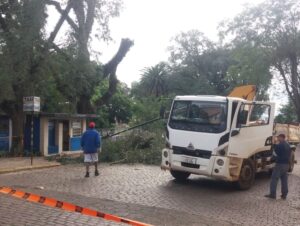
(147, 194)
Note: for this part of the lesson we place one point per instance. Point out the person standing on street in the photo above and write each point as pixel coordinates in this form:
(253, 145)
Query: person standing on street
(280, 171)
(90, 143)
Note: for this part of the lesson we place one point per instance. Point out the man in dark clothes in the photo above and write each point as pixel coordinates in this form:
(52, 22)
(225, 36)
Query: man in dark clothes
(90, 143)
(283, 155)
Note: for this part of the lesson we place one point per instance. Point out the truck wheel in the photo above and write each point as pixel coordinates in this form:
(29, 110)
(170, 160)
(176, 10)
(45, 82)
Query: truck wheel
(292, 162)
(180, 176)
(247, 175)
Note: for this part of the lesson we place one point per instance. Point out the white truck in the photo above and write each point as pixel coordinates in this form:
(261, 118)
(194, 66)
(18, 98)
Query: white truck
(226, 138)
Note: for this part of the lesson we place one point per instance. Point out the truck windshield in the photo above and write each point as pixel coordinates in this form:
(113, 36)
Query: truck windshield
(199, 116)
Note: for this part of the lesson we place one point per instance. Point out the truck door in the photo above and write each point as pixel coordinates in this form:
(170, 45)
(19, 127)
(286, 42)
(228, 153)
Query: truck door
(252, 129)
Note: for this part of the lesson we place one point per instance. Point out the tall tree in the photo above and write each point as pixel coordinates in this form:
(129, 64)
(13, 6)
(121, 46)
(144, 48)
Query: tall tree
(274, 27)
(86, 13)
(154, 81)
(251, 67)
(29, 60)
(199, 62)
(21, 26)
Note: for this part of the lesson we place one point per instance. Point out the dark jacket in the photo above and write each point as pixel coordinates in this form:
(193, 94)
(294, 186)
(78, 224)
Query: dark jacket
(283, 152)
(90, 141)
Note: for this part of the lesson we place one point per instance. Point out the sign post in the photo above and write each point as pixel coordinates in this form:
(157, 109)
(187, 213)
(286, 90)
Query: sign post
(31, 105)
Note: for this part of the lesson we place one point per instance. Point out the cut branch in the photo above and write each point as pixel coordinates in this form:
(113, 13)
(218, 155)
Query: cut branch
(112, 65)
(110, 71)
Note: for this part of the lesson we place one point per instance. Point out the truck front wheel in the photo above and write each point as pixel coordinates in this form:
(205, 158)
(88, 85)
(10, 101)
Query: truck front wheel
(292, 162)
(180, 176)
(247, 175)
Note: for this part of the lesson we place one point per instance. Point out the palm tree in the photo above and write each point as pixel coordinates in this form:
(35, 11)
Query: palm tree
(154, 80)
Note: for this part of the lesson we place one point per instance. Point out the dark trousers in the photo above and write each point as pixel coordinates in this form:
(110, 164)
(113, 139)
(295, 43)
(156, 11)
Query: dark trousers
(280, 171)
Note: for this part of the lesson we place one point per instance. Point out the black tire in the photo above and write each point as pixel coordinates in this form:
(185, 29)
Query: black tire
(292, 162)
(180, 176)
(247, 175)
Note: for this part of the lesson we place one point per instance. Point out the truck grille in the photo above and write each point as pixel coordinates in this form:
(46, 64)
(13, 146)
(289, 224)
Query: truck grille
(195, 153)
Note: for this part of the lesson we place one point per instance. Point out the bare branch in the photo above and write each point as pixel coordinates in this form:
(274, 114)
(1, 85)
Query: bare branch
(285, 80)
(90, 15)
(61, 11)
(111, 66)
(63, 17)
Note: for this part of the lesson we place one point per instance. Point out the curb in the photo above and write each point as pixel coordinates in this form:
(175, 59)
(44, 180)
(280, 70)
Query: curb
(27, 168)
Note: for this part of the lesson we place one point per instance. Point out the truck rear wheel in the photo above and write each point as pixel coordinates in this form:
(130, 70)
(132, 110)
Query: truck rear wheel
(292, 162)
(180, 176)
(247, 175)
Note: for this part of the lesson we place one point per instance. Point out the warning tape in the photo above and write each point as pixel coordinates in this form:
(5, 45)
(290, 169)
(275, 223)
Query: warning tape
(67, 206)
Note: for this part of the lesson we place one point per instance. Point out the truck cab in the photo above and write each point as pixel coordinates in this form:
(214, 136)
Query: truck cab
(226, 138)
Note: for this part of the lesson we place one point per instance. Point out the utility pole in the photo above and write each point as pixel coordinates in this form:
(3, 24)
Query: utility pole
(32, 105)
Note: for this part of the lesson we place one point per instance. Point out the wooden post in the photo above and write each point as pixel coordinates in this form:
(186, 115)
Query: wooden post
(32, 137)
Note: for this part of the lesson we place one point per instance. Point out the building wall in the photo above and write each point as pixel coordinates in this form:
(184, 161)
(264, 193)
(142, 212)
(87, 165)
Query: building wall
(5, 133)
(44, 136)
(74, 139)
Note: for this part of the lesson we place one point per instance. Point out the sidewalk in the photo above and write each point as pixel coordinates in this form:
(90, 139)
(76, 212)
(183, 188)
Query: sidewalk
(8, 165)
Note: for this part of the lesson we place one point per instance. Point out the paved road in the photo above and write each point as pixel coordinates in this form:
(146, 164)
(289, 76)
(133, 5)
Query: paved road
(149, 194)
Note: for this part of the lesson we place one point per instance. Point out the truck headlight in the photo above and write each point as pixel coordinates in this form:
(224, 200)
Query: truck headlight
(166, 154)
(168, 144)
(220, 162)
(222, 152)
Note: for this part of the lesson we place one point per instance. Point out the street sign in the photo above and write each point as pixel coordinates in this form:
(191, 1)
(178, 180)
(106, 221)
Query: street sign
(31, 104)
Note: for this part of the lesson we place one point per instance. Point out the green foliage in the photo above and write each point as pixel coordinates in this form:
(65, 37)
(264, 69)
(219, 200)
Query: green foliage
(272, 27)
(251, 67)
(287, 114)
(141, 146)
(21, 42)
(154, 81)
(199, 65)
(119, 108)
(145, 109)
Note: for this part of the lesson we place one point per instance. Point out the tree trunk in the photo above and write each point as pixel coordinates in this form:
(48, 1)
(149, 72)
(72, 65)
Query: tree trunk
(18, 132)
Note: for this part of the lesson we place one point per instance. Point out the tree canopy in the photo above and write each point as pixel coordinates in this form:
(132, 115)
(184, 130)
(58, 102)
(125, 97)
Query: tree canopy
(63, 76)
(273, 27)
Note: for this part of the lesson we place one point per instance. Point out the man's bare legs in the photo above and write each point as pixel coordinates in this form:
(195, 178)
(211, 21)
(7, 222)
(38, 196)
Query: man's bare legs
(96, 169)
(87, 166)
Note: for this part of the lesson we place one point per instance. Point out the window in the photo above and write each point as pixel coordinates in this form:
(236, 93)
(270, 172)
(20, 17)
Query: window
(200, 116)
(233, 110)
(254, 115)
(76, 126)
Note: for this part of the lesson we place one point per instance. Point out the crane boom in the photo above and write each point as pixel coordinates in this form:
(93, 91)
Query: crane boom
(247, 92)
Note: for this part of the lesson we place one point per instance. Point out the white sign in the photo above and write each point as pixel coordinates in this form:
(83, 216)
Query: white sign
(76, 125)
(32, 104)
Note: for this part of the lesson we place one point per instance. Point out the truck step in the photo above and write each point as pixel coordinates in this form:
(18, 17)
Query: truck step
(233, 166)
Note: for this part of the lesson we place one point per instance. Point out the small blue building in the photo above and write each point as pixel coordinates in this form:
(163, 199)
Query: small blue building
(5, 133)
(55, 133)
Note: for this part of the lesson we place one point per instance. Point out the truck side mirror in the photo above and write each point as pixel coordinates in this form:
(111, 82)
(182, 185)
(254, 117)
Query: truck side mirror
(235, 132)
(166, 115)
(162, 112)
